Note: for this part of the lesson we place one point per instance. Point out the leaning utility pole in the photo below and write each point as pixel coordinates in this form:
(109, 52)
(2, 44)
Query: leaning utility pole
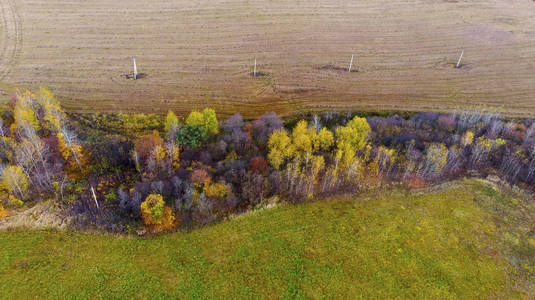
(350, 63)
(135, 69)
(459, 61)
(94, 196)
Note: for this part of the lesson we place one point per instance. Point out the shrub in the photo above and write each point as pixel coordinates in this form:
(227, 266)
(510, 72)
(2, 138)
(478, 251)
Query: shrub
(253, 188)
(156, 216)
(152, 209)
(217, 190)
(425, 120)
(191, 136)
(239, 140)
(169, 221)
(264, 126)
(144, 145)
(467, 139)
(415, 181)
(3, 212)
(136, 124)
(205, 157)
(258, 165)
(234, 122)
(272, 121)
(14, 201)
(435, 160)
(200, 178)
(111, 154)
(446, 123)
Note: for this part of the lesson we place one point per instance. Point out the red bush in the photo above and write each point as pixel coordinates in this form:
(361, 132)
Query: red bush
(145, 144)
(258, 165)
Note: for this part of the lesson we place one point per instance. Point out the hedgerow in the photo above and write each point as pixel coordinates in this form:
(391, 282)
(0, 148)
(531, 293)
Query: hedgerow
(175, 176)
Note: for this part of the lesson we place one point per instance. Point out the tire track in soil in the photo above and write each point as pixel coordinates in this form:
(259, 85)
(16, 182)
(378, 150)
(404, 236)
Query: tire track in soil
(12, 32)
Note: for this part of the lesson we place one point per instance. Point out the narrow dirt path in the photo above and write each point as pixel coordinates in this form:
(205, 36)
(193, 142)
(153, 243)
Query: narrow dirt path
(11, 37)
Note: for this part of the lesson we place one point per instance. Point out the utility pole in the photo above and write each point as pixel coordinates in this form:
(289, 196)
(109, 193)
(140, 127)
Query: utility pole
(254, 71)
(94, 196)
(135, 68)
(459, 61)
(350, 63)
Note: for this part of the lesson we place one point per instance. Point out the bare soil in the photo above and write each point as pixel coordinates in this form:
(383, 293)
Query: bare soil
(201, 53)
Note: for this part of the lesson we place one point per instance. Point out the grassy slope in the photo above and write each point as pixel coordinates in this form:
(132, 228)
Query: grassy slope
(437, 245)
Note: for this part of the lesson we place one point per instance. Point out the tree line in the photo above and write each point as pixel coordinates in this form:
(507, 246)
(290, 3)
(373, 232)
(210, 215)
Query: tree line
(192, 171)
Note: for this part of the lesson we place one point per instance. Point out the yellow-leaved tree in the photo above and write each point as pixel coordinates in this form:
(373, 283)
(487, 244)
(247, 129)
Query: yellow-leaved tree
(24, 113)
(15, 182)
(325, 139)
(195, 118)
(53, 115)
(279, 148)
(207, 119)
(352, 137)
(210, 121)
(171, 120)
(349, 140)
(300, 151)
(304, 141)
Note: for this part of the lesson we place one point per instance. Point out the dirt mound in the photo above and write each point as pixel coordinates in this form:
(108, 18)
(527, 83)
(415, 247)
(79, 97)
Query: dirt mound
(139, 76)
(337, 68)
(258, 74)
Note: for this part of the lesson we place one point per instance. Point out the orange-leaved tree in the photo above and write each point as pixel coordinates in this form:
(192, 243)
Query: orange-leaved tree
(76, 159)
(156, 216)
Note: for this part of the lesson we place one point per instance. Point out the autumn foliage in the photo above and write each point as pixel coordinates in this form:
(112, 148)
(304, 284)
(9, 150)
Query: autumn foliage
(200, 178)
(150, 170)
(156, 216)
(145, 144)
(76, 159)
(206, 119)
(15, 181)
(3, 212)
(258, 165)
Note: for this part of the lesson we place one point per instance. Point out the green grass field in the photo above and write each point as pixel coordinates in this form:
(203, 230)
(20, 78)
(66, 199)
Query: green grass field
(466, 240)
